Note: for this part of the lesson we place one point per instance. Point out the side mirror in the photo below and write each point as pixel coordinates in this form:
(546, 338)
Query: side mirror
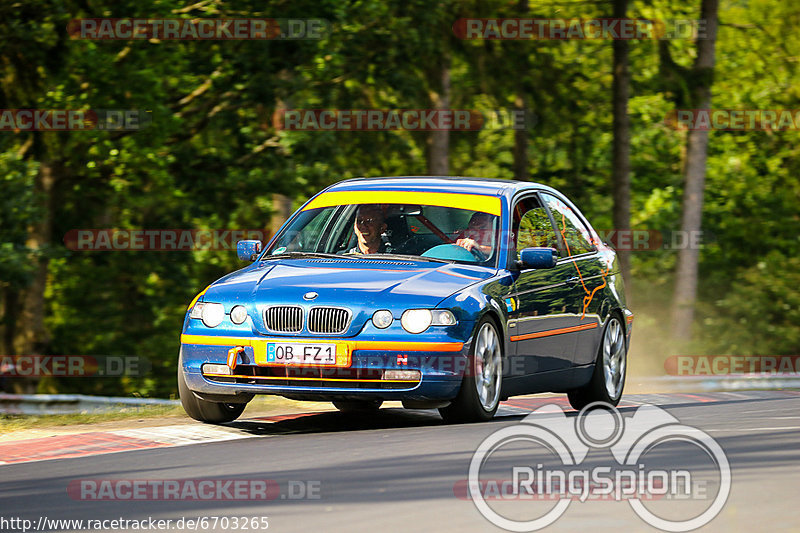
(248, 250)
(538, 258)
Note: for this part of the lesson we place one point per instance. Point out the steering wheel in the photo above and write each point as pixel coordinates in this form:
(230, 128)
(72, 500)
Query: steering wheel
(478, 253)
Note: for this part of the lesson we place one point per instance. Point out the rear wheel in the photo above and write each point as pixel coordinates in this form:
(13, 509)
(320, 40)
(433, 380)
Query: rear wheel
(608, 378)
(203, 410)
(358, 406)
(479, 396)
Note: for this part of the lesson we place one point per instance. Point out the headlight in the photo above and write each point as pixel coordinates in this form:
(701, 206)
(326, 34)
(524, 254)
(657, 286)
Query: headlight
(238, 314)
(416, 320)
(210, 313)
(382, 319)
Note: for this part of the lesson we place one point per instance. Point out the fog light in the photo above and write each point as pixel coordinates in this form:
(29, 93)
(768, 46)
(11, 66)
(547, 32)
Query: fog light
(238, 314)
(405, 375)
(210, 368)
(382, 319)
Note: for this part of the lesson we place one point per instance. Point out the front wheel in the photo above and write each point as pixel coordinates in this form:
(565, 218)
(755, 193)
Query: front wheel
(608, 378)
(203, 410)
(479, 396)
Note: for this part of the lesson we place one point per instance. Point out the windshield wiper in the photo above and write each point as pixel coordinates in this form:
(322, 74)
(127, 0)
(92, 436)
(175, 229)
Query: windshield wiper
(285, 255)
(403, 256)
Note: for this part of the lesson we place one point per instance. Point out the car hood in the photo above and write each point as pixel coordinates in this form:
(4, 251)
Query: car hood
(363, 286)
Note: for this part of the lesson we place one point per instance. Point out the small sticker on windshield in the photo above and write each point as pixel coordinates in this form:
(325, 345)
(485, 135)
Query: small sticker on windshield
(279, 250)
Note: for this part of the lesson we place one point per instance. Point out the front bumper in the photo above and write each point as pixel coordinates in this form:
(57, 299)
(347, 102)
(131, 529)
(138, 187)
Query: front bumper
(441, 363)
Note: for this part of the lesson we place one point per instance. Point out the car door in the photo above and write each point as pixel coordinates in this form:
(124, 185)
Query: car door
(543, 308)
(586, 273)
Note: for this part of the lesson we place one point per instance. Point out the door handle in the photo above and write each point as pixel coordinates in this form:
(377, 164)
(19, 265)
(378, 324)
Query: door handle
(573, 280)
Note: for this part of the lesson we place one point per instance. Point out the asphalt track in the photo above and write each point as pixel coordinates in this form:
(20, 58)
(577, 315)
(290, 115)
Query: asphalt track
(401, 470)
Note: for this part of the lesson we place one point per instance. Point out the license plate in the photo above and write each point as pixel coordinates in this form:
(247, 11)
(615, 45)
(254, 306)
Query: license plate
(293, 353)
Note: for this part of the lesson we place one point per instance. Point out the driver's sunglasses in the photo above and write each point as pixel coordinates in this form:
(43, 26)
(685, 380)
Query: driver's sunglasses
(367, 221)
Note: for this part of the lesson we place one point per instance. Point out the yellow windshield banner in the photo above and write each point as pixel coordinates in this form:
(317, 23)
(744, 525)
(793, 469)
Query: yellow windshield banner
(472, 202)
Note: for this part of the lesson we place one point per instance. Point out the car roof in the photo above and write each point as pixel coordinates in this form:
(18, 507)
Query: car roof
(452, 184)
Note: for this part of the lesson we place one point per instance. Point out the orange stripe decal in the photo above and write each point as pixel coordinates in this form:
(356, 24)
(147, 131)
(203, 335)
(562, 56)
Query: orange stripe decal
(298, 378)
(550, 332)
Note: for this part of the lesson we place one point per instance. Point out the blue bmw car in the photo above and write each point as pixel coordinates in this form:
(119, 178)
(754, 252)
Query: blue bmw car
(442, 293)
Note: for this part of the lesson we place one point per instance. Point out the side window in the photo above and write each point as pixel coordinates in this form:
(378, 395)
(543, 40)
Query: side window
(532, 227)
(575, 235)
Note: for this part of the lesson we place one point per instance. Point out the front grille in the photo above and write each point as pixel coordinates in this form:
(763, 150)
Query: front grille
(328, 320)
(284, 319)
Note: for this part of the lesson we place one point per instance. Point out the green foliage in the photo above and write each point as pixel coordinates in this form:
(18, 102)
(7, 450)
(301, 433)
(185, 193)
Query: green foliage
(18, 209)
(759, 313)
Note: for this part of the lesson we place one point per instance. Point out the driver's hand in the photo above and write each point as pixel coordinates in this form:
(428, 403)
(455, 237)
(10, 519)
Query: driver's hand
(469, 244)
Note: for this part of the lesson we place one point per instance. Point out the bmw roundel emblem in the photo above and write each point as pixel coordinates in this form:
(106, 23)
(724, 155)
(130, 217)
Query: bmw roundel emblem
(310, 295)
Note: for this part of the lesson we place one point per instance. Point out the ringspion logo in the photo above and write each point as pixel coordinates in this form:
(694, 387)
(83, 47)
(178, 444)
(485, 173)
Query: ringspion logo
(557, 470)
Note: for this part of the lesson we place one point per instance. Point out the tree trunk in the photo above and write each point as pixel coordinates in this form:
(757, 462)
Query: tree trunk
(521, 135)
(281, 211)
(10, 300)
(439, 141)
(32, 335)
(694, 178)
(621, 171)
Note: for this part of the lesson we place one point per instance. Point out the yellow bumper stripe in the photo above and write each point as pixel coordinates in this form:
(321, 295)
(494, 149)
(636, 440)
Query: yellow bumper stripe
(212, 340)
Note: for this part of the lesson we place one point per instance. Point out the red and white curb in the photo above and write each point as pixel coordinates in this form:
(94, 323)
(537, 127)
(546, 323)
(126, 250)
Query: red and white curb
(95, 443)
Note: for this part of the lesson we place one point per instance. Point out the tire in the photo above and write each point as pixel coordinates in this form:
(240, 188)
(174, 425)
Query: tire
(203, 410)
(479, 395)
(358, 406)
(608, 378)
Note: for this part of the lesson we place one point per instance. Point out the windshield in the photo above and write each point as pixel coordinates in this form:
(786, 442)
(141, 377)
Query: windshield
(427, 231)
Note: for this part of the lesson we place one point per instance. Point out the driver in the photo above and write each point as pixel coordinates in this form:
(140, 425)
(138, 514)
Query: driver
(369, 226)
(478, 234)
